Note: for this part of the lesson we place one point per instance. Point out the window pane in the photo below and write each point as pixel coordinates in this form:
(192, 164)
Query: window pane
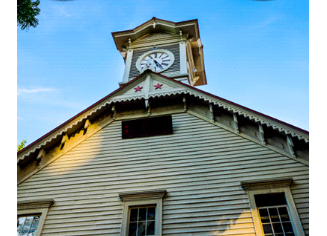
(35, 222)
(273, 214)
(288, 227)
(142, 214)
(28, 222)
(20, 223)
(151, 213)
(273, 199)
(150, 228)
(283, 214)
(134, 214)
(267, 228)
(264, 215)
(263, 212)
(277, 228)
(141, 228)
(132, 229)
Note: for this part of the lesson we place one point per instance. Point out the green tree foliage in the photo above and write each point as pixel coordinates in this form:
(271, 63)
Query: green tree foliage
(21, 145)
(27, 10)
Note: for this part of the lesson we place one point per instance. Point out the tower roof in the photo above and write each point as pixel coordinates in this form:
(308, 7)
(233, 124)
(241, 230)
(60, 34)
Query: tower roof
(154, 25)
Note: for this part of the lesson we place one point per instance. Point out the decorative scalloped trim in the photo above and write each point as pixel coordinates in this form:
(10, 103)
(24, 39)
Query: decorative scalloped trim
(251, 117)
(168, 93)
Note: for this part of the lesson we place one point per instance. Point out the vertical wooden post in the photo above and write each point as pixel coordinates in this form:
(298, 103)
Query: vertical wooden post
(262, 134)
(184, 102)
(290, 145)
(63, 141)
(41, 154)
(236, 123)
(128, 63)
(86, 125)
(212, 117)
(113, 109)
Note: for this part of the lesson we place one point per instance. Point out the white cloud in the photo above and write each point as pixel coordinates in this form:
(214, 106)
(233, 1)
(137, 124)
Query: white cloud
(36, 90)
(61, 10)
(264, 23)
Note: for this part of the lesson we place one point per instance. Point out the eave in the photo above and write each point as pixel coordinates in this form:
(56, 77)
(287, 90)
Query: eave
(156, 25)
(118, 96)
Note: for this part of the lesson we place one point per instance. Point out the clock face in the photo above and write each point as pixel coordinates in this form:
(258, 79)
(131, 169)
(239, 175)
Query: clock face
(155, 60)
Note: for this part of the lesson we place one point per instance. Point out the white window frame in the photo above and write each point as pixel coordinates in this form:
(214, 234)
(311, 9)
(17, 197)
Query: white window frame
(278, 185)
(142, 199)
(35, 207)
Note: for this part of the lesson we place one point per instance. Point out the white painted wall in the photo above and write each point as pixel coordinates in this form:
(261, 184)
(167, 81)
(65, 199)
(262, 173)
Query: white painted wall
(200, 165)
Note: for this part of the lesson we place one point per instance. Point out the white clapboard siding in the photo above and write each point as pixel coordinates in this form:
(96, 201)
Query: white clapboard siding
(200, 165)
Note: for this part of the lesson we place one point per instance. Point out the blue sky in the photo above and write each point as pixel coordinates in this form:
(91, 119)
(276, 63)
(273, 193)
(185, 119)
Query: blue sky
(256, 54)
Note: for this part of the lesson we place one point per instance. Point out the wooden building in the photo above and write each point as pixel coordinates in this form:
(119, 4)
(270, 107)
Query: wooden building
(158, 156)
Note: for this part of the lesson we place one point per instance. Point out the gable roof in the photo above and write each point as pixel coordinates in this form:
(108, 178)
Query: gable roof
(169, 87)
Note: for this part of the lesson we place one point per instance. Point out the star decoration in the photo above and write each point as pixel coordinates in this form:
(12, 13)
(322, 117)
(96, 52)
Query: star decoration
(158, 86)
(138, 88)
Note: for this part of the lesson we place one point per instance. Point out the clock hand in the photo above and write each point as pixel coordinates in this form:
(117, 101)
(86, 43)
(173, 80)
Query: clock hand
(157, 64)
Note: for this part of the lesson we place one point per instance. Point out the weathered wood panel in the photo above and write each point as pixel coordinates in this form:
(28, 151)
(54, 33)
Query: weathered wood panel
(201, 166)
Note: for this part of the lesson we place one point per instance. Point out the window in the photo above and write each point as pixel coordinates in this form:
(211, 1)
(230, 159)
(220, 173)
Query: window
(142, 213)
(273, 209)
(274, 215)
(142, 220)
(147, 127)
(31, 216)
(27, 225)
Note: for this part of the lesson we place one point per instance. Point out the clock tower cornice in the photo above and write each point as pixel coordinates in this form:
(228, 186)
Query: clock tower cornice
(153, 26)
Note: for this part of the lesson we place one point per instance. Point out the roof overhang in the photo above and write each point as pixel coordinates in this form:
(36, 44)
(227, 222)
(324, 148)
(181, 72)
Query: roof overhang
(154, 25)
(115, 97)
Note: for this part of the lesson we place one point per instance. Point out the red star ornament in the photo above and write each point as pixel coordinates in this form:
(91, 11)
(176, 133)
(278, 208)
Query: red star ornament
(138, 88)
(158, 86)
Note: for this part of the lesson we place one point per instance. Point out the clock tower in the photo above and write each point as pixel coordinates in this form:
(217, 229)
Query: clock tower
(171, 49)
